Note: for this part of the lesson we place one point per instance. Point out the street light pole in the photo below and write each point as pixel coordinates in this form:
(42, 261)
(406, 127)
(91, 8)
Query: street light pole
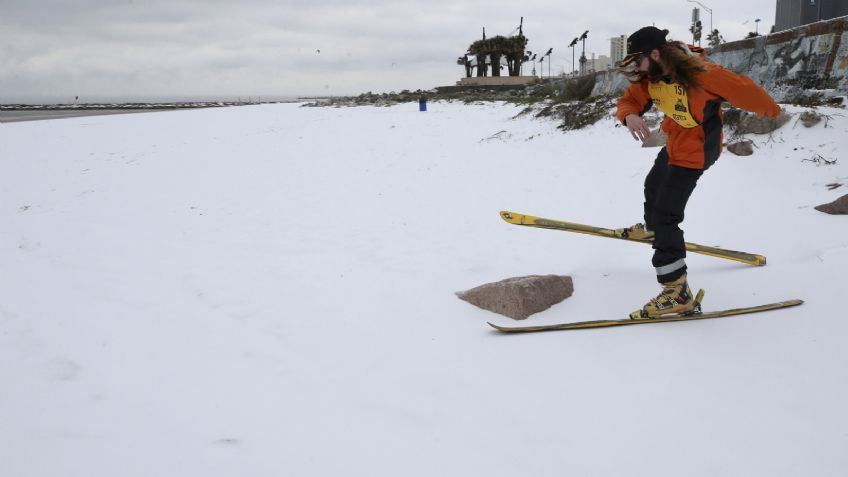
(708, 9)
(573, 65)
(583, 59)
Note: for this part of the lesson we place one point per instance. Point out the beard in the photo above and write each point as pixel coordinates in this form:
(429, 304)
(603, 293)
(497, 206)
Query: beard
(655, 71)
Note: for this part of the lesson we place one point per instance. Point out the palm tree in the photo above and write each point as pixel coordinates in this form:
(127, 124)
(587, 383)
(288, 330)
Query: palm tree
(514, 53)
(497, 47)
(480, 49)
(464, 61)
(715, 39)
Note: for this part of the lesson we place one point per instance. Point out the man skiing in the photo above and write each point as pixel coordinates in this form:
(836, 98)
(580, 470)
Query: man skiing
(689, 90)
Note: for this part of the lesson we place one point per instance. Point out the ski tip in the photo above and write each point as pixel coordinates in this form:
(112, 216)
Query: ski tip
(512, 217)
(508, 216)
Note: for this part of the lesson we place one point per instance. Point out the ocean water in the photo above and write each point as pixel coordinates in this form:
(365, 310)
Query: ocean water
(188, 98)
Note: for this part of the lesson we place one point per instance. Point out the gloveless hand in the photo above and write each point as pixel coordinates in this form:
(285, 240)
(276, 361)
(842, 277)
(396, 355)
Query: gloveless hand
(637, 126)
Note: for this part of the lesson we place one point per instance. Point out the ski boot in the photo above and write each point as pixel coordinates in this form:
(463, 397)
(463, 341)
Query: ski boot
(675, 299)
(635, 232)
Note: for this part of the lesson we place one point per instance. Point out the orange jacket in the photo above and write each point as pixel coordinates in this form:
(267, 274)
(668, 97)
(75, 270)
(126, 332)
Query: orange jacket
(695, 137)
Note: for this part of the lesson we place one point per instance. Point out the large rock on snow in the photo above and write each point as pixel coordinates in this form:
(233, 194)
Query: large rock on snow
(520, 297)
(837, 207)
(810, 118)
(742, 148)
(749, 123)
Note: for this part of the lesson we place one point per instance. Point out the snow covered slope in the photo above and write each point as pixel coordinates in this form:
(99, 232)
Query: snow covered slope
(269, 291)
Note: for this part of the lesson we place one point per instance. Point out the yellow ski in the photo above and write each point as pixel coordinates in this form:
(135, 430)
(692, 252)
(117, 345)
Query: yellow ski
(582, 325)
(531, 221)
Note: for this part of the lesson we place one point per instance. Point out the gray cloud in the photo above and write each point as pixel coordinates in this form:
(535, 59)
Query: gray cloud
(135, 48)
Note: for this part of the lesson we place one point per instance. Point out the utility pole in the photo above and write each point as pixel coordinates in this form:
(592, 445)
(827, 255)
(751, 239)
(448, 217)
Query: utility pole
(573, 65)
(521, 34)
(708, 9)
(583, 59)
(696, 26)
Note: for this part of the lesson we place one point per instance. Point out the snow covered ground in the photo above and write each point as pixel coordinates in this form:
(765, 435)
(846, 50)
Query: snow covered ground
(269, 291)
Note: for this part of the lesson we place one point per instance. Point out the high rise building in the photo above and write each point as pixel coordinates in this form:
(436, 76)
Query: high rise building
(793, 13)
(618, 49)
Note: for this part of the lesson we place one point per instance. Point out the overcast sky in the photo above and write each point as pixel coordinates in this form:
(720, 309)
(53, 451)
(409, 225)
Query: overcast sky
(138, 49)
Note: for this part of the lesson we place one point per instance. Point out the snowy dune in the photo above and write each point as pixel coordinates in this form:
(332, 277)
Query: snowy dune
(269, 291)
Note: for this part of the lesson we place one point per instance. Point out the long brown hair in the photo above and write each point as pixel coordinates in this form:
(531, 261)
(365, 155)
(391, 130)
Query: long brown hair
(682, 66)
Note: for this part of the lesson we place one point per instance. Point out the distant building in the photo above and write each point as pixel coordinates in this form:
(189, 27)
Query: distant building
(601, 63)
(793, 13)
(618, 49)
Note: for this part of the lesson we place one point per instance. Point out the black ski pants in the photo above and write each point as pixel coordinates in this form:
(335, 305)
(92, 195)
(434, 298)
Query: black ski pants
(667, 190)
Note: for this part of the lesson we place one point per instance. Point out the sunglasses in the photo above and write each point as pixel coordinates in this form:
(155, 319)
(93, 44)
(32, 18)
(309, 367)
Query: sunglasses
(635, 61)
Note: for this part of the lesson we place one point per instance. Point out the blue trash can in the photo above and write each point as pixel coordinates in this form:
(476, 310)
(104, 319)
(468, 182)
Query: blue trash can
(422, 104)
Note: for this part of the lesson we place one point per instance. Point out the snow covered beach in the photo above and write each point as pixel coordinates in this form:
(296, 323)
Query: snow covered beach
(269, 290)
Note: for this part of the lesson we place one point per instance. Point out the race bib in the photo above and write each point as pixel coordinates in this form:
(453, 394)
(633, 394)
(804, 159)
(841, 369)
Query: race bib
(672, 100)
